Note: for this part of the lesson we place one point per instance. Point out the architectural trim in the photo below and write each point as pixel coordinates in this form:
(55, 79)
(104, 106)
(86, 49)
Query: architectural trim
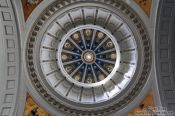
(10, 64)
(165, 53)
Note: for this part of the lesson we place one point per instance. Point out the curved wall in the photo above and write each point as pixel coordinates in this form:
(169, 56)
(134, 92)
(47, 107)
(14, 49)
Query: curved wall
(10, 59)
(165, 53)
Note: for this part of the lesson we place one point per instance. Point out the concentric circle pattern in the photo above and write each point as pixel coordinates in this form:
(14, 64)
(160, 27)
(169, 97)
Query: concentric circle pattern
(93, 59)
(89, 55)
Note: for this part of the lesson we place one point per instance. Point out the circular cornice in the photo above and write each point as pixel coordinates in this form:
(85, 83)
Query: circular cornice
(143, 42)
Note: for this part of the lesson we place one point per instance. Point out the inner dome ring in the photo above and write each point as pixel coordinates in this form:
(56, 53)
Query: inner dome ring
(74, 79)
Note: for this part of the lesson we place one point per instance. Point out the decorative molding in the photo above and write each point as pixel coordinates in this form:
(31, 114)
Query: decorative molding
(165, 53)
(11, 59)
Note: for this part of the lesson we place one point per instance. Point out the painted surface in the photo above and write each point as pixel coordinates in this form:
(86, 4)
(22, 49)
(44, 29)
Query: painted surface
(28, 8)
(147, 102)
(30, 105)
(145, 5)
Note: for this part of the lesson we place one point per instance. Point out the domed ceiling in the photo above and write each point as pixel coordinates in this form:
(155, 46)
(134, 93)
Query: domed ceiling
(77, 57)
(88, 57)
